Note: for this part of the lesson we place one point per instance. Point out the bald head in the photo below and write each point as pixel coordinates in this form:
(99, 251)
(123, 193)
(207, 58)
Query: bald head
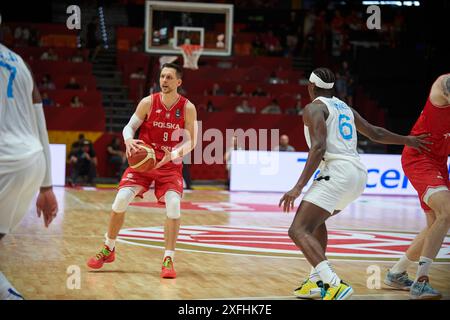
(284, 140)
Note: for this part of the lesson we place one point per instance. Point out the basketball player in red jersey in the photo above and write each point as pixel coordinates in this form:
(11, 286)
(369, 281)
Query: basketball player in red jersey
(161, 117)
(428, 173)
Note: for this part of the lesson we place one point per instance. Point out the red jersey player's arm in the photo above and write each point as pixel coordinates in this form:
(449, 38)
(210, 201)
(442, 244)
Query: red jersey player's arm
(440, 91)
(382, 135)
(191, 126)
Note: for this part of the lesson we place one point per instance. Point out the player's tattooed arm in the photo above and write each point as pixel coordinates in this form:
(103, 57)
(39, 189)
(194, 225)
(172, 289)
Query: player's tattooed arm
(445, 83)
(440, 91)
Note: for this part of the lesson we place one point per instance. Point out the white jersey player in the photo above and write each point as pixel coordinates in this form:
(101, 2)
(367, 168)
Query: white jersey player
(24, 152)
(331, 128)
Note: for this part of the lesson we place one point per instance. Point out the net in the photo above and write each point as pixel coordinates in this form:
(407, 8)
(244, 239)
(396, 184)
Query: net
(191, 54)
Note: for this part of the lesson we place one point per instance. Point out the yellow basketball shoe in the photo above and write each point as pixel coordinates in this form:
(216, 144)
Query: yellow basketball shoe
(341, 292)
(309, 290)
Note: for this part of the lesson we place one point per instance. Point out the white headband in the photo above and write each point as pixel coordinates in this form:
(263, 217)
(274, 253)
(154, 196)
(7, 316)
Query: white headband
(319, 82)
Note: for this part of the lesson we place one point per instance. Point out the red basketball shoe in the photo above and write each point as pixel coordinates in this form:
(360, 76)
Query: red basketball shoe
(167, 270)
(106, 255)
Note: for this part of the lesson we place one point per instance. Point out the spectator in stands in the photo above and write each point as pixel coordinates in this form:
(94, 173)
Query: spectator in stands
(46, 101)
(210, 107)
(47, 83)
(273, 78)
(271, 43)
(238, 91)
(6, 35)
(18, 34)
(259, 92)
(117, 157)
(245, 108)
(258, 46)
(138, 74)
(76, 146)
(21, 36)
(84, 163)
(73, 84)
(182, 91)
(34, 38)
(92, 39)
(26, 34)
(77, 57)
(49, 55)
(154, 88)
(297, 110)
(136, 46)
(337, 33)
(217, 90)
(272, 108)
(75, 102)
(340, 85)
(284, 145)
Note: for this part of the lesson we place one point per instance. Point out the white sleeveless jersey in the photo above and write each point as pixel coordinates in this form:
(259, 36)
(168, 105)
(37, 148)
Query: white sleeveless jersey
(341, 132)
(19, 134)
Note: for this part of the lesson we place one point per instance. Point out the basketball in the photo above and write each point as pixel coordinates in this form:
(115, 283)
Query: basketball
(142, 160)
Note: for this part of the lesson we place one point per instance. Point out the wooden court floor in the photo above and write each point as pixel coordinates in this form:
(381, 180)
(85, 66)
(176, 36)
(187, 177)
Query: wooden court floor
(231, 246)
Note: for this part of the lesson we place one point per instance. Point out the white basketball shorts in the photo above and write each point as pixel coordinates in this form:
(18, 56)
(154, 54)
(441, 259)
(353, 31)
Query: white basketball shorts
(17, 191)
(339, 183)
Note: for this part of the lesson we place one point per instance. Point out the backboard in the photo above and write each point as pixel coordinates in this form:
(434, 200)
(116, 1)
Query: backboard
(169, 24)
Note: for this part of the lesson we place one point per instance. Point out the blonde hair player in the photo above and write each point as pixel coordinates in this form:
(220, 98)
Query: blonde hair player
(330, 131)
(162, 118)
(25, 167)
(428, 173)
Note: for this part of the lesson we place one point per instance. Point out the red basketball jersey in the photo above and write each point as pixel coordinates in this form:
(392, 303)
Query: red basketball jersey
(435, 120)
(163, 125)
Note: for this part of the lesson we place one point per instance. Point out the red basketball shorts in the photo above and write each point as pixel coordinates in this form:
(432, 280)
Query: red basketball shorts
(426, 174)
(165, 179)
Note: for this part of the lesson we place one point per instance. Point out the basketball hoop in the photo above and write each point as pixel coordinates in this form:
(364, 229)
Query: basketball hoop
(191, 54)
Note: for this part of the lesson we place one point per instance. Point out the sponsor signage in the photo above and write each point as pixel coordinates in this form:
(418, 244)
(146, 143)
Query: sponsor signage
(267, 171)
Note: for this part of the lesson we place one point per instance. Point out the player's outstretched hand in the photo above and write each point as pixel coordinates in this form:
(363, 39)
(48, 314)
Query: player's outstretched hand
(289, 198)
(133, 145)
(165, 159)
(419, 142)
(47, 205)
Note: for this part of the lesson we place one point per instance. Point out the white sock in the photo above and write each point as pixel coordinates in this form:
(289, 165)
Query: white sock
(424, 266)
(327, 274)
(7, 291)
(110, 242)
(401, 265)
(169, 253)
(314, 276)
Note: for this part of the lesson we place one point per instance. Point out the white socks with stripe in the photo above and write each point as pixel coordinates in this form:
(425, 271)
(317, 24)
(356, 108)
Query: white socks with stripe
(110, 242)
(314, 276)
(401, 265)
(327, 274)
(169, 253)
(424, 266)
